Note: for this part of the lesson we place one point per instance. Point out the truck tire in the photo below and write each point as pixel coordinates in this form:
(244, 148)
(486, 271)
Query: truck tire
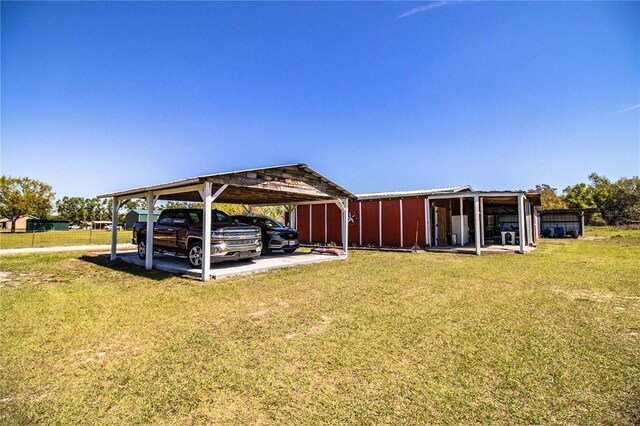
(142, 248)
(194, 254)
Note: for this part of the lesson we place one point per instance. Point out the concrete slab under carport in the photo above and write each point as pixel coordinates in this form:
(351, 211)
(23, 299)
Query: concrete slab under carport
(179, 265)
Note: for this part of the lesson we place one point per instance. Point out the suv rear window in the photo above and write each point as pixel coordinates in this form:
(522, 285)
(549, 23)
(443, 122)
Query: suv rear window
(219, 216)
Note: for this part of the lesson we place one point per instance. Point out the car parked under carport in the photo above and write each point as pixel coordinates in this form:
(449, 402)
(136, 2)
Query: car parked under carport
(275, 236)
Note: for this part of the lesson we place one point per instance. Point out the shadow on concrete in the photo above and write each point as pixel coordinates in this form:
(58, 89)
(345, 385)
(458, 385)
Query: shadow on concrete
(104, 260)
(169, 265)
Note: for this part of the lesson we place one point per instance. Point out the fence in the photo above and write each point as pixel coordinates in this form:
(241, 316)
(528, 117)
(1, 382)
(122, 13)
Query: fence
(72, 237)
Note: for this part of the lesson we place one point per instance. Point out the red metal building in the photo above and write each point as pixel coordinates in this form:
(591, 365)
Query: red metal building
(400, 219)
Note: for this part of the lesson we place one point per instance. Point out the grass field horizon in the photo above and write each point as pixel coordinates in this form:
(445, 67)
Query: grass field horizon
(72, 237)
(552, 336)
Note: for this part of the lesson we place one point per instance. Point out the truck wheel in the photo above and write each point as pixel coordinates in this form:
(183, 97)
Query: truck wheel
(194, 254)
(142, 249)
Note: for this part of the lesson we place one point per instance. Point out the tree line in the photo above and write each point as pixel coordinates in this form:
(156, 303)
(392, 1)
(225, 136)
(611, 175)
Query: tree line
(23, 196)
(617, 202)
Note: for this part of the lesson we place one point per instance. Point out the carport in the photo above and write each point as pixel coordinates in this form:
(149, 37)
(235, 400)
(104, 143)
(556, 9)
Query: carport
(287, 185)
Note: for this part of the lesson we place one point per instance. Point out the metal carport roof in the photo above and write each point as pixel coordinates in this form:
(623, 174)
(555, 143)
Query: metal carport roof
(285, 184)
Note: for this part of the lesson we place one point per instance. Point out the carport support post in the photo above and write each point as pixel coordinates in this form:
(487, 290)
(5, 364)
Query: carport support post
(529, 223)
(295, 217)
(476, 224)
(343, 205)
(207, 199)
(345, 226)
(427, 221)
(148, 261)
(481, 221)
(461, 222)
(206, 232)
(114, 227)
(582, 224)
(521, 221)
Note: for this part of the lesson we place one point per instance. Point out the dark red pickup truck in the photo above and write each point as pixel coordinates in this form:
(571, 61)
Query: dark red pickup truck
(180, 231)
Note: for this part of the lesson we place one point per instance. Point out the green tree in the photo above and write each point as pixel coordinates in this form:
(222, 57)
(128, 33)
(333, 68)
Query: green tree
(80, 210)
(230, 209)
(579, 196)
(139, 204)
(274, 212)
(600, 188)
(549, 197)
(617, 201)
(623, 201)
(21, 196)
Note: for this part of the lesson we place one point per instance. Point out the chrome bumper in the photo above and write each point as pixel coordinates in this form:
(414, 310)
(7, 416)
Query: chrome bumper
(283, 244)
(224, 251)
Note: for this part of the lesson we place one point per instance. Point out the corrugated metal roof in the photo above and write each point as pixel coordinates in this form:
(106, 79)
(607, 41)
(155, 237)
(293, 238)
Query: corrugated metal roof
(414, 193)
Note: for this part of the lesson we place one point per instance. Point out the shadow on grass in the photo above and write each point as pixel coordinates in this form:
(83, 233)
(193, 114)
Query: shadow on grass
(119, 265)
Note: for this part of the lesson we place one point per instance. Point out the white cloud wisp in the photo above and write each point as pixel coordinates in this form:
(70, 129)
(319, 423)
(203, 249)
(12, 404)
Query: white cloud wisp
(423, 8)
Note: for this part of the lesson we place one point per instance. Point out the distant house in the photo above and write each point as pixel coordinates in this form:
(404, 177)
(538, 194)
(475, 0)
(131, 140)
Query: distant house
(99, 224)
(21, 223)
(139, 216)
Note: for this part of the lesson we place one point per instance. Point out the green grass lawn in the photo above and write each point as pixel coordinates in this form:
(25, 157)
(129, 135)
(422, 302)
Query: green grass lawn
(382, 338)
(71, 237)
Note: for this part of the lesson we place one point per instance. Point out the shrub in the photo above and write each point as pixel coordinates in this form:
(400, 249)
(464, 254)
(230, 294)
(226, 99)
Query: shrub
(597, 220)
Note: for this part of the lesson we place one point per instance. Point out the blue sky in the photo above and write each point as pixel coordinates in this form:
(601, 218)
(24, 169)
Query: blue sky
(377, 96)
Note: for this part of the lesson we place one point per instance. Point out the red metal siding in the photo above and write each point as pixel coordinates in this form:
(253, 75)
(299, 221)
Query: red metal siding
(303, 223)
(317, 227)
(354, 225)
(412, 213)
(370, 222)
(391, 223)
(334, 224)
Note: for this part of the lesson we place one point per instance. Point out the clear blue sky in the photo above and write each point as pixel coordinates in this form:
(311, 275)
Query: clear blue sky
(377, 96)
